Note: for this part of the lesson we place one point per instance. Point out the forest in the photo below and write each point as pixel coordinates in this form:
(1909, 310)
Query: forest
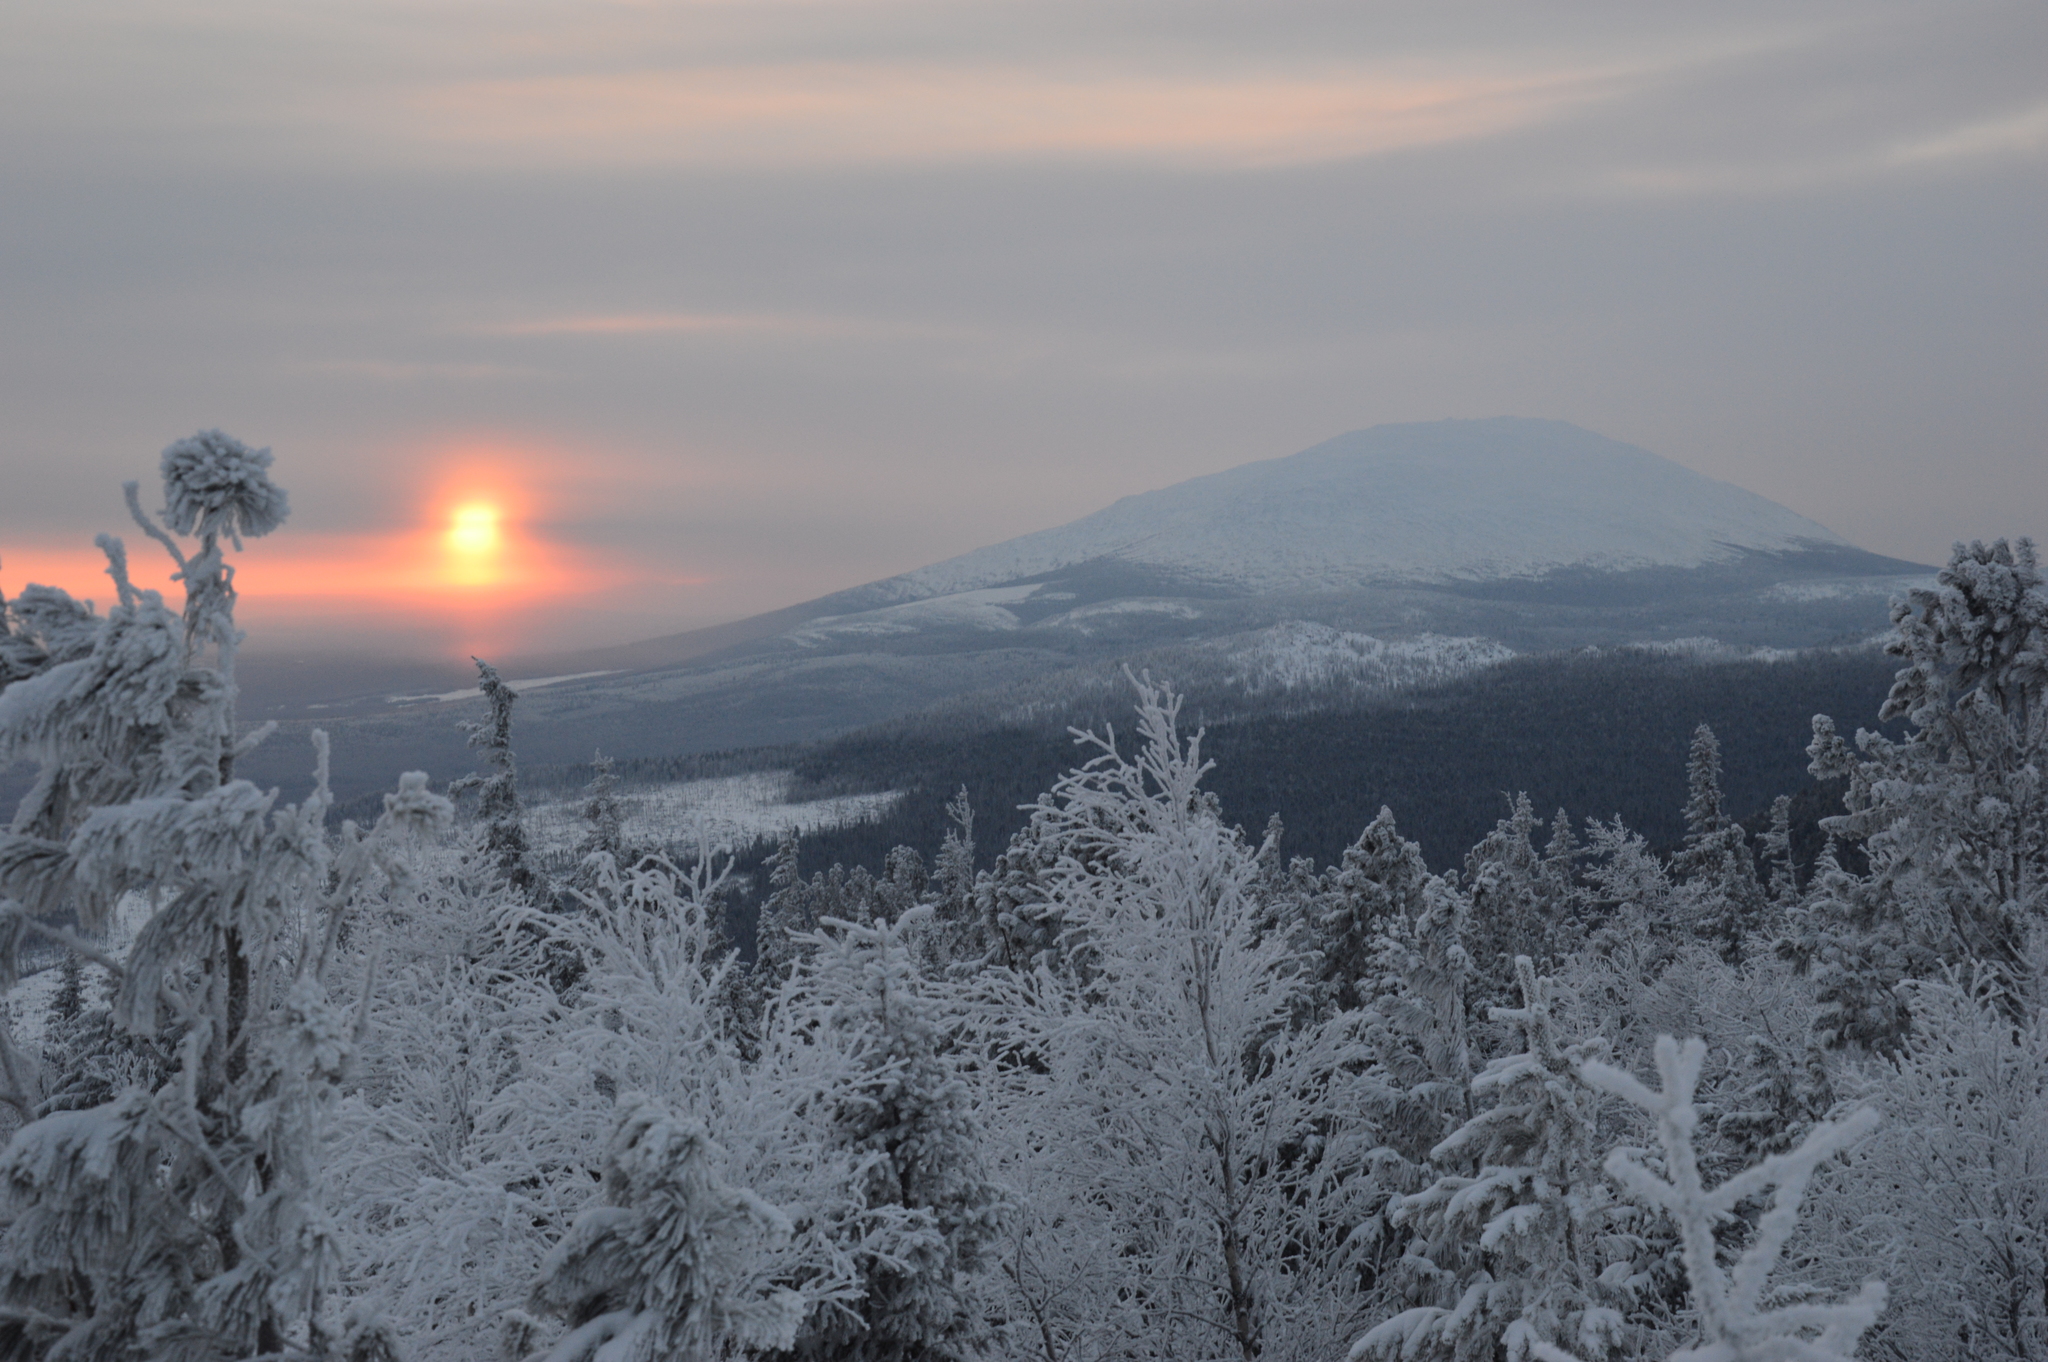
(1124, 1081)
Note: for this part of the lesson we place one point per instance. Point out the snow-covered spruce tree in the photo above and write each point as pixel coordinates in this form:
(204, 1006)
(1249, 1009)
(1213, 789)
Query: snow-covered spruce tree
(675, 1263)
(1416, 1025)
(603, 812)
(920, 1213)
(1517, 1253)
(1354, 1097)
(1858, 982)
(950, 937)
(1715, 864)
(1736, 1322)
(786, 913)
(40, 629)
(1630, 906)
(1406, 1065)
(1127, 1090)
(1953, 818)
(1376, 888)
(796, 906)
(1020, 929)
(1524, 901)
(504, 849)
(1775, 850)
(181, 1220)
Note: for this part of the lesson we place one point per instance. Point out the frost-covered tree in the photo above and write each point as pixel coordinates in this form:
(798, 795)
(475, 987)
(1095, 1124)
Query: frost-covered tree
(1738, 1320)
(795, 907)
(1631, 906)
(489, 1095)
(603, 812)
(675, 1263)
(1416, 1024)
(920, 1212)
(504, 848)
(181, 1218)
(1020, 927)
(1715, 863)
(1523, 901)
(1954, 817)
(950, 937)
(1775, 850)
(1517, 1251)
(1129, 1086)
(1375, 889)
(1949, 1199)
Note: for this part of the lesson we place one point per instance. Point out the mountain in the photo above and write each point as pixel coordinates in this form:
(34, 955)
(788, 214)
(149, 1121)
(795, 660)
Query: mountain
(1424, 520)
(1383, 560)
(1447, 501)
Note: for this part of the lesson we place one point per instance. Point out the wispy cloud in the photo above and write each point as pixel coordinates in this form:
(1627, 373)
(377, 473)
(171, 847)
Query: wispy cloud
(666, 323)
(2019, 134)
(824, 113)
(1768, 172)
(400, 371)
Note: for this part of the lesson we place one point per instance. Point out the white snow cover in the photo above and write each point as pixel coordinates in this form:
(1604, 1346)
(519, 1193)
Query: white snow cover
(1445, 500)
(729, 811)
(964, 609)
(1300, 653)
(1704, 649)
(472, 693)
(1087, 619)
(1848, 589)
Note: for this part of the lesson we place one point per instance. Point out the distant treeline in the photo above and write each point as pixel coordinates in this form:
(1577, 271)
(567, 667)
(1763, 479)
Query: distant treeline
(1596, 735)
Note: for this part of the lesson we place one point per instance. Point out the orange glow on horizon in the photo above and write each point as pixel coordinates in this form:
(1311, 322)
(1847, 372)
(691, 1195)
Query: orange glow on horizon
(470, 572)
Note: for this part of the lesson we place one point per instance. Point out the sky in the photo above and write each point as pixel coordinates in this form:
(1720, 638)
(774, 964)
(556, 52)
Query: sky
(576, 323)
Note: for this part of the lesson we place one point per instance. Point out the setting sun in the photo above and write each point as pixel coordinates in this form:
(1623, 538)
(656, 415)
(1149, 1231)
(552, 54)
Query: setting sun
(474, 529)
(475, 542)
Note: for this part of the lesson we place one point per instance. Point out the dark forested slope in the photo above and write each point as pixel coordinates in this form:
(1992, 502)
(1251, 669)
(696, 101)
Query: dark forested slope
(1596, 734)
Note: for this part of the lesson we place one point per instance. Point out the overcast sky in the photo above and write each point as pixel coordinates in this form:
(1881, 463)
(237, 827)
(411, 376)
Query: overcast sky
(731, 305)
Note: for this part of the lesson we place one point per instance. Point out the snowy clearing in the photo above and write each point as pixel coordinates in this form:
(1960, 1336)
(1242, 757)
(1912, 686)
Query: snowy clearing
(962, 610)
(1300, 653)
(724, 811)
(471, 692)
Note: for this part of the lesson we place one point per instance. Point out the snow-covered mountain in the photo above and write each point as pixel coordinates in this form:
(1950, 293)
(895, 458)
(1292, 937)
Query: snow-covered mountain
(1434, 502)
(1381, 560)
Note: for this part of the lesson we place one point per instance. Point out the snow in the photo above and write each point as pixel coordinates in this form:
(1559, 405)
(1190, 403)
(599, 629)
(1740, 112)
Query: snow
(1448, 500)
(1702, 649)
(981, 609)
(471, 692)
(1850, 589)
(726, 810)
(28, 1002)
(1298, 653)
(1087, 618)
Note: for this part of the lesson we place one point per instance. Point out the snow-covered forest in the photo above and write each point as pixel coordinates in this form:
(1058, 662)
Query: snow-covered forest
(1133, 1086)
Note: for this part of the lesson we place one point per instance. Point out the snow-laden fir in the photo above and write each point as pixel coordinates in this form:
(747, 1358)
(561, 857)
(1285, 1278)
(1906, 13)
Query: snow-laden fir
(1135, 1085)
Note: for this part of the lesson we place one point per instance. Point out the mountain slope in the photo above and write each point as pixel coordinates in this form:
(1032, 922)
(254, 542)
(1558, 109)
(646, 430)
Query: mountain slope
(1391, 557)
(1436, 502)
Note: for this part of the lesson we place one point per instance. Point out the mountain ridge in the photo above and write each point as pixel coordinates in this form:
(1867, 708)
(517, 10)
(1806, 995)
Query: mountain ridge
(1442, 501)
(1744, 541)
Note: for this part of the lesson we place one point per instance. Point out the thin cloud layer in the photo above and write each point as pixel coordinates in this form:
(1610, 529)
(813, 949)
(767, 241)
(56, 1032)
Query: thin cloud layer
(763, 300)
(827, 114)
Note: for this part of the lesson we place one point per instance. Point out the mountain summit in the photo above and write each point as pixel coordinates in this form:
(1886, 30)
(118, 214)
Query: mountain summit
(1389, 557)
(1441, 501)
